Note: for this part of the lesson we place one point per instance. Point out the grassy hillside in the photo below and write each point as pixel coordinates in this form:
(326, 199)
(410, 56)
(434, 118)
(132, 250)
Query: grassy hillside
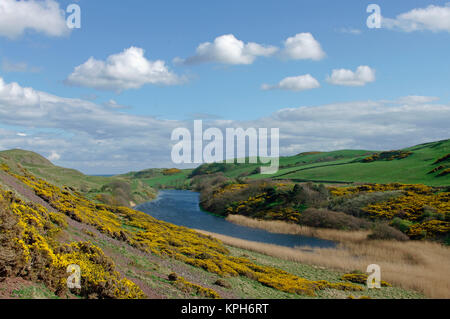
(412, 165)
(111, 190)
(159, 178)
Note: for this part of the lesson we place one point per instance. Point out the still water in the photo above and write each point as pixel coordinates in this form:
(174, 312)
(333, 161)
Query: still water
(182, 208)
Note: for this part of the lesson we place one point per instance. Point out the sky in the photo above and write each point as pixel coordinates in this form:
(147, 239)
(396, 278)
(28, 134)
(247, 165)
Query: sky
(105, 97)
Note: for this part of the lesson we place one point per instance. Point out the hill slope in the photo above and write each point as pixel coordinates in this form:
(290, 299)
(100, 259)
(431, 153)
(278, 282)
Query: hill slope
(110, 190)
(410, 165)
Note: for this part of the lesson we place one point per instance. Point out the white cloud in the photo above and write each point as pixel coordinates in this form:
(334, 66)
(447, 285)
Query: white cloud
(14, 94)
(53, 156)
(294, 83)
(363, 75)
(99, 140)
(40, 16)
(432, 18)
(126, 70)
(227, 49)
(302, 46)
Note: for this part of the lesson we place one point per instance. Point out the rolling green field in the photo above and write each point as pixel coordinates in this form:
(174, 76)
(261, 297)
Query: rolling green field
(155, 177)
(348, 166)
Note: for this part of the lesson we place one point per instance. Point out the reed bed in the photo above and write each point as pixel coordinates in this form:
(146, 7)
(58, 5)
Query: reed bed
(422, 266)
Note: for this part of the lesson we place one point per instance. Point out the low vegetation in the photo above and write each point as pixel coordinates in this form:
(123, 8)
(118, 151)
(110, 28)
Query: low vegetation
(387, 156)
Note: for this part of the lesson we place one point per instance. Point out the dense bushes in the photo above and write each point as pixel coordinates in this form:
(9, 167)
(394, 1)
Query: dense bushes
(171, 171)
(206, 169)
(361, 278)
(410, 208)
(401, 224)
(263, 199)
(29, 249)
(10, 263)
(387, 156)
(383, 231)
(310, 195)
(206, 183)
(418, 211)
(324, 218)
(191, 288)
(355, 204)
(303, 204)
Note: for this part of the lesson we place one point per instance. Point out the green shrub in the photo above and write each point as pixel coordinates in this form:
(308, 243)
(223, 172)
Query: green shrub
(324, 218)
(383, 231)
(401, 224)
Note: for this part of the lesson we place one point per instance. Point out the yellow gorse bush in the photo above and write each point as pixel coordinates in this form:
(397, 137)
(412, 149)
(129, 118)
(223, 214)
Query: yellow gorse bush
(369, 188)
(40, 257)
(361, 279)
(431, 228)
(171, 171)
(195, 289)
(427, 209)
(411, 206)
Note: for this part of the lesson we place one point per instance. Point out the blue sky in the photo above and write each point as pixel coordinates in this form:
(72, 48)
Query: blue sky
(406, 58)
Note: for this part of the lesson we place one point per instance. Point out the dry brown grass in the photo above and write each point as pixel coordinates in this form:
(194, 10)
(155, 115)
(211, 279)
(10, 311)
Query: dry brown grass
(416, 265)
(281, 227)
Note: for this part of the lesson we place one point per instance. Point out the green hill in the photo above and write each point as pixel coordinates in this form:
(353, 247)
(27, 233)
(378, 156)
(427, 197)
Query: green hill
(117, 190)
(417, 164)
(158, 178)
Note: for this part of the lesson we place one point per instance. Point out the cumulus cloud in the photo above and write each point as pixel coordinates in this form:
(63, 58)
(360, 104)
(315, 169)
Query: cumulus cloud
(227, 49)
(432, 18)
(294, 83)
(46, 17)
(101, 140)
(126, 70)
(302, 46)
(14, 94)
(363, 75)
